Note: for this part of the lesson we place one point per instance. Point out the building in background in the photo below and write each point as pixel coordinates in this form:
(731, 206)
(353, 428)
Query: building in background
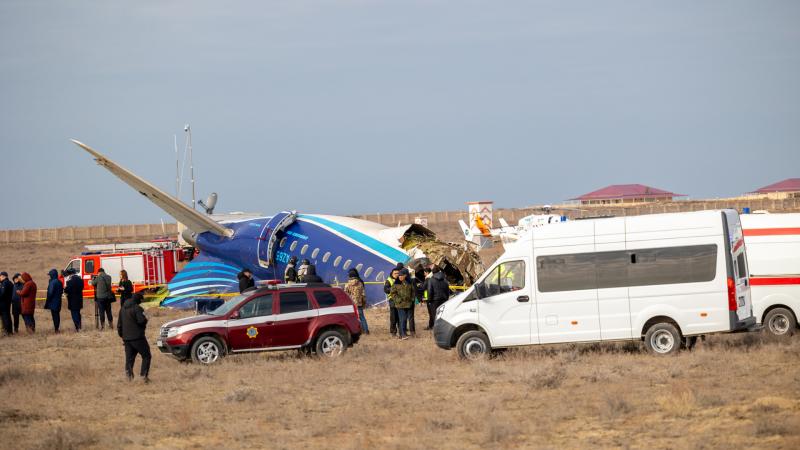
(788, 188)
(626, 193)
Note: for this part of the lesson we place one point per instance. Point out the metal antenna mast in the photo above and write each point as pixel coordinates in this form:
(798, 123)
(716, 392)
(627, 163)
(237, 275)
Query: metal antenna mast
(188, 130)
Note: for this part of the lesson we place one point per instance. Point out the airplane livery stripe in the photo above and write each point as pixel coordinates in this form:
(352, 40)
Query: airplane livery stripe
(198, 280)
(367, 241)
(204, 287)
(184, 274)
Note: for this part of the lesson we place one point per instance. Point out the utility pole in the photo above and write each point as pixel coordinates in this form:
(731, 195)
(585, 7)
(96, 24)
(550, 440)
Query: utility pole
(188, 130)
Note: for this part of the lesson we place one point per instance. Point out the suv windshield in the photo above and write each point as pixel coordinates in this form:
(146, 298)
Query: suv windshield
(226, 307)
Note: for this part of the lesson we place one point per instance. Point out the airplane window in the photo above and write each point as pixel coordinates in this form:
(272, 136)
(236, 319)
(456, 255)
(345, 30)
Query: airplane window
(304, 249)
(314, 253)
(337, 261)
(368, 272)
(347, 264)
(326, 257)
(283, 242)
(359, 267)
(293, 246)
(381, 276)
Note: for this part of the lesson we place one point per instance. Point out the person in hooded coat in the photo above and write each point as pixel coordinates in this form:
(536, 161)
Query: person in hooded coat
(355, 289)
(245, 280)
(27, 296)
(74, 291)
(55, 290)
(290, 274)
(438, 288)
(131, 327)
(16, 302)
(6, 293)
(311, 275)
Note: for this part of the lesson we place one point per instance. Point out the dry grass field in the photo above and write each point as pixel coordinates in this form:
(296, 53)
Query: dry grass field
(68, 391)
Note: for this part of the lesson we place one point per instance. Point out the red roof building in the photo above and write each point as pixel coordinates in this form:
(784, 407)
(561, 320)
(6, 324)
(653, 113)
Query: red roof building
(626, 193)
(788, 188)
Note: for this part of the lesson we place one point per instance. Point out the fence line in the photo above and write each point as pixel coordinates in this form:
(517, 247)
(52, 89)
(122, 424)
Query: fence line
(68, 234)
(512, 215)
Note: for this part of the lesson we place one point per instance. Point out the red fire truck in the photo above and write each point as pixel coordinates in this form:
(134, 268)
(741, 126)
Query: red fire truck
(149, 264)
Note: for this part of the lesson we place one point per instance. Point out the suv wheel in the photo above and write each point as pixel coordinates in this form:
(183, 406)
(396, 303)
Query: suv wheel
(473, 345)
(207, 350)
(780, 322)
(663, 339)
(331, 343)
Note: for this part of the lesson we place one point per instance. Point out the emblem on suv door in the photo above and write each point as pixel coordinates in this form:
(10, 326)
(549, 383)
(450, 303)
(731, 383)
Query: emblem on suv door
(252, 332)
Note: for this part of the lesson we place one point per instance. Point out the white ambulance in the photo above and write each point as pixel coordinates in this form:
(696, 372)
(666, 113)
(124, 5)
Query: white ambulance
(664, 279)
(773, 254)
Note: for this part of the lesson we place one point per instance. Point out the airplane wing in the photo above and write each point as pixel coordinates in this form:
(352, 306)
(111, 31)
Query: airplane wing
(194, 220)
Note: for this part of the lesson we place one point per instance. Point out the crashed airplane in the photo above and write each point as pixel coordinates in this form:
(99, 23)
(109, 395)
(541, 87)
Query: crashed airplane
(265, 244)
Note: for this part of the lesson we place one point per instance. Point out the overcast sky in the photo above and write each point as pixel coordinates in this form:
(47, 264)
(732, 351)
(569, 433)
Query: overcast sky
(349, 107)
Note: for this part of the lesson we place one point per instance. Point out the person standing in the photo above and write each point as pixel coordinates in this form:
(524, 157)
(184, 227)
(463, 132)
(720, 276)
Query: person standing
(6, 294)
(16, 302)
(245, 280)
(290, 274)
(301, 271)
(438, 288)
(426, 298)
(311, 275)
(55, 290)
(402, 293)
(27, 296)
(125, 289)
(74, 291)
(104, 297)
(387, 289)
(131, 327)
(355, 289)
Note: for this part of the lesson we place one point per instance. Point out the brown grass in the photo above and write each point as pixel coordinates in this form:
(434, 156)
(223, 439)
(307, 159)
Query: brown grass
(69, 391)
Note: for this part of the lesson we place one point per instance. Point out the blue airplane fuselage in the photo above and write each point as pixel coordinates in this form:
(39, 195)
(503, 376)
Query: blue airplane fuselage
(334, 245)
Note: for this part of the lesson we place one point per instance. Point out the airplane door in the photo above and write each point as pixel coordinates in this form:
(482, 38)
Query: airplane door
(504, 309)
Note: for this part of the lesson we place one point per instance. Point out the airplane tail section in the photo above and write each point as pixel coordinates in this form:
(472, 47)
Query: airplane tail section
(204, 278)
(503, 223)
(465, 229)
(194, 220)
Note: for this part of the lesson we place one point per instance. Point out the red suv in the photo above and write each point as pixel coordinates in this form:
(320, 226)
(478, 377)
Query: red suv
(315, 318)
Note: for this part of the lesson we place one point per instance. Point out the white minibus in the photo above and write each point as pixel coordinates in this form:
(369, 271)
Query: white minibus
(773, 255)
(662, 278)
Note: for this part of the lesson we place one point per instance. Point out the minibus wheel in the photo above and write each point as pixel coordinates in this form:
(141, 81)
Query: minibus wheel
(780, 322)
(473, 345)
(663, 339)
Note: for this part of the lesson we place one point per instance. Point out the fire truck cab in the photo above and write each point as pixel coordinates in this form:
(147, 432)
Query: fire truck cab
(148, 264)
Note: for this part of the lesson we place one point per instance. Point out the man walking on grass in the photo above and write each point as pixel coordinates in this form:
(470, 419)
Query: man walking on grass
(131, 327)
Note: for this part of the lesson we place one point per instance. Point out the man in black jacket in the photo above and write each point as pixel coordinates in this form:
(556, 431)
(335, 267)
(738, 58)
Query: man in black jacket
(131, 328)
(438, 288)
(311, 275)
(6, 293)
(16, 301)
(74, 290)
(245, 280)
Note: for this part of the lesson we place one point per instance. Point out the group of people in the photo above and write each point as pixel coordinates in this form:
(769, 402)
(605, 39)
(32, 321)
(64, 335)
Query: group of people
(404, 292)
(18, 298)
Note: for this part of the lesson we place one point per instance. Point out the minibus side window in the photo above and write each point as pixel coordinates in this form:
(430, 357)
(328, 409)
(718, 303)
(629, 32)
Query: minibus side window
(574, 272)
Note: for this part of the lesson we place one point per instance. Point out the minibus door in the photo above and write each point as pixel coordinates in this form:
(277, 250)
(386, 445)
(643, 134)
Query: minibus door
(504, 304)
